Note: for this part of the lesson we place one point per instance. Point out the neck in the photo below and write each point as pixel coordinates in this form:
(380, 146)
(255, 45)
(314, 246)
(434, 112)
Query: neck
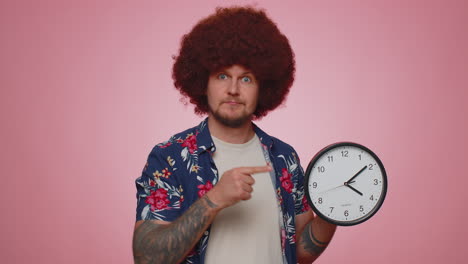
(237, 135)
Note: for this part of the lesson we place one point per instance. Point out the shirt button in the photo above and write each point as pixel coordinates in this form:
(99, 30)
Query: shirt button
(206, 233)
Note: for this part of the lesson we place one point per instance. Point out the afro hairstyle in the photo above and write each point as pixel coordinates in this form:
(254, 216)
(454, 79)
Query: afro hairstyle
(235, 35)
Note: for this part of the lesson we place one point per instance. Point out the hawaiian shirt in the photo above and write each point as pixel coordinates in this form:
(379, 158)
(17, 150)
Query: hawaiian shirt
(181, 170)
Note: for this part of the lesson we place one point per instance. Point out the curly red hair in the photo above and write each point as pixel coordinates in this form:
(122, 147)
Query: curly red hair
(235, 35)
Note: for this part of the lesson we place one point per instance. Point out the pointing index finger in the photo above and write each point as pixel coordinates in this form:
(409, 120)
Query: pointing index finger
(255, 169)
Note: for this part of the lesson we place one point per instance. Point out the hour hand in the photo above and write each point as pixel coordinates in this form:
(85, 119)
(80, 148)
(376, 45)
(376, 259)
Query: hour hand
(354, 189)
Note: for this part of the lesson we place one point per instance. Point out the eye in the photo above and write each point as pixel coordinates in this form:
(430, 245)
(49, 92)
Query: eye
(246, 79)
(222, 76)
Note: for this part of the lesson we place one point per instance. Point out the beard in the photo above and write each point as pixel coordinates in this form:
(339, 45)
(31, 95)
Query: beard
(229, 121)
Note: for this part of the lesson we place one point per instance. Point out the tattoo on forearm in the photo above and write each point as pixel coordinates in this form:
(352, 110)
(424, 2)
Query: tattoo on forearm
(209, 202)
(310, 243)
(318, 242)
(155, 243)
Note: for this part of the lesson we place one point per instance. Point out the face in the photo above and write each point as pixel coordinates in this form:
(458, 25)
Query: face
(232, 95)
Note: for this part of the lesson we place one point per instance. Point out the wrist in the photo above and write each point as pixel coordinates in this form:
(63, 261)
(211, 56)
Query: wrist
(213, 200)
(321, 231)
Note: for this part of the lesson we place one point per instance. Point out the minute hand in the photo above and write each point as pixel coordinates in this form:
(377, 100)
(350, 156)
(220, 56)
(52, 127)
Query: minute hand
(355, 175)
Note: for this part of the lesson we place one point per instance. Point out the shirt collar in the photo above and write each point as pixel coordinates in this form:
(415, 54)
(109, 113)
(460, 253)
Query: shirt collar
(204, 140)
(265, 139)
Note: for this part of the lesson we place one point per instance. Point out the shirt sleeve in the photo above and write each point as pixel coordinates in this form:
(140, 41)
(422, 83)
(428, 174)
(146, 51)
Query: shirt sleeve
(300, 204)
(158, 191)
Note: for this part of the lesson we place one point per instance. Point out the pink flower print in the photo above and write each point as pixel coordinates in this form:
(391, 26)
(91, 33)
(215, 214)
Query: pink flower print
(203, 189)
(191, 143)
(286, 182)
(166, 145)
(287, 185)
(158, 199)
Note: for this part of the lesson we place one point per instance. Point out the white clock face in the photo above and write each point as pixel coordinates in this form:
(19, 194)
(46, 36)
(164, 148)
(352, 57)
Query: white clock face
(346, 183)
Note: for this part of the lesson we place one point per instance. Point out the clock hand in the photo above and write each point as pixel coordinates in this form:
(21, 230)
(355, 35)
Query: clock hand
(332, 189)
(352, 188)
(346, 183)
(355, 175)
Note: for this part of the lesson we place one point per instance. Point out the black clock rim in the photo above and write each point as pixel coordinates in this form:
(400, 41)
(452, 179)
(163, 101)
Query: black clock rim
(384, 187)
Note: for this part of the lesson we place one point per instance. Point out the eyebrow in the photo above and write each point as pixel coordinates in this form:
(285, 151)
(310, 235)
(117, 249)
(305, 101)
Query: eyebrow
(244, 73)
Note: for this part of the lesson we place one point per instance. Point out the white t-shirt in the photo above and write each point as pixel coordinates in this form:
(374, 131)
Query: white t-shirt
(249, 231)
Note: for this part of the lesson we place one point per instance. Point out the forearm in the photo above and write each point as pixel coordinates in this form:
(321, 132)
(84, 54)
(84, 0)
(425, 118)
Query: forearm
(314, 239)
(156, 243)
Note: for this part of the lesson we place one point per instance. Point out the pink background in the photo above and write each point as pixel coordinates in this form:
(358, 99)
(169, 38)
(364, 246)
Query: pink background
(86, 92)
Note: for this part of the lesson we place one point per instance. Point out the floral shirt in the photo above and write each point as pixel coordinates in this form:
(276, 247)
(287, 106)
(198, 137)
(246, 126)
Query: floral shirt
(181, 170)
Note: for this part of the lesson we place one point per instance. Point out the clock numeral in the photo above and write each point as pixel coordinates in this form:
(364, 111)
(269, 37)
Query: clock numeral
(371, 198)
(376, 182)
(344, 153)
(346, 213)
(330, 158)
(321, 169)
(331, 209)
(314, 185)
(359, 156)
(320, 201)
(371, 166)
(361, 208)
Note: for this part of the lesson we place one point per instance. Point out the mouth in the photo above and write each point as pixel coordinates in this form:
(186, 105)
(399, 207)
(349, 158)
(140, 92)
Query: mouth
(232, 102)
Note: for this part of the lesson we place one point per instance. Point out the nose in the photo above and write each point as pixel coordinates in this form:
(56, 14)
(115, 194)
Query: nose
(233, 88)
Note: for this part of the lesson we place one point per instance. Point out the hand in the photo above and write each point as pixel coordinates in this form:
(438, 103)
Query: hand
(235, 185)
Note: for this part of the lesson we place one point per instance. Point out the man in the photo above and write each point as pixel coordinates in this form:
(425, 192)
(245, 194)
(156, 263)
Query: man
(225, 191)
